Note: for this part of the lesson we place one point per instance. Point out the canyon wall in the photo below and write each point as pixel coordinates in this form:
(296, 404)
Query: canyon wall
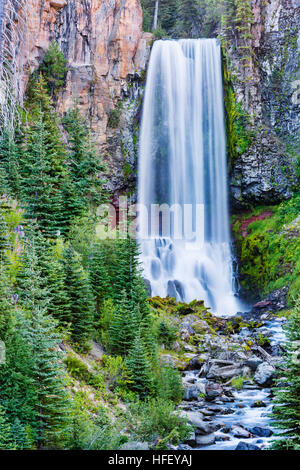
(268, 90)
(106, 52)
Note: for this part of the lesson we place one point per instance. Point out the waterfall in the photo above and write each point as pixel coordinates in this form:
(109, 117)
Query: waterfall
(183, 165)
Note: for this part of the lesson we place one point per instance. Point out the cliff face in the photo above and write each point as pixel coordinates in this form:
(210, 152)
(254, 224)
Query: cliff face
(105, 48)
(269, 91)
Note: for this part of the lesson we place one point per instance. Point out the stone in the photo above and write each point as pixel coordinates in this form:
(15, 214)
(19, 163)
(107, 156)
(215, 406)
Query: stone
(191, 440)
(207, 440)
(213, 390)
(261, 432)
(96, 352)
(238, 431)
(227, 372)
(195, 418)
(264, 374)
(246, 446)
(253, 362)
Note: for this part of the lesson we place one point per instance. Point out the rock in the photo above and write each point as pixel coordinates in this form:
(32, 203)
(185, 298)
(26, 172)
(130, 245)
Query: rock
(258, 404)
(58, 3)
(148, 286)
(196, 363)
(238, 431)
(96, 352)
(207, 440)
(184, 335)
(222, 437)
(253, 362)
(227, 372)
(245, 446)
(264, 374)
(261, 432)
(191, 440)
(213, 390)
(135, 445)
(195, 418)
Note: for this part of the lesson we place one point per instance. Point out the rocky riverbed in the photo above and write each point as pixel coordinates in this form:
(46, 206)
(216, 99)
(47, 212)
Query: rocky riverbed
(228, 368)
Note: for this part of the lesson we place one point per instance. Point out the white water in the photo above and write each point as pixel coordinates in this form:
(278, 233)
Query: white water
(183, 161)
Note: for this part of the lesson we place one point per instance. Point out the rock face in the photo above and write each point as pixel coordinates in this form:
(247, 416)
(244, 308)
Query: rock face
(269, 90)
(106, 52)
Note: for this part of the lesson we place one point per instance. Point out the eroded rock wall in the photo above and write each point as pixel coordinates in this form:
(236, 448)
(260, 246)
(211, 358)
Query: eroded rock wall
(269, 92)
(105, 49)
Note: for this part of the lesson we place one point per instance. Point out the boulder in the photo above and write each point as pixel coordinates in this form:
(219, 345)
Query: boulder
(264, 374)
(245, 446)
(207, 440)
(261, 432)
(196, 419)
(227, 372)
(253, 362)
(213, 390)
(238, 431)
(191, 440)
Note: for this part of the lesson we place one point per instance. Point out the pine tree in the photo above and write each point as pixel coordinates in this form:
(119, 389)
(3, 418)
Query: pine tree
(5, 435)
(54, 69)
(85, 185)
(99, 277)
(80, 298)
(19, 436)
(123, 325)
(286, 412)
(140, 368)
(9, 165)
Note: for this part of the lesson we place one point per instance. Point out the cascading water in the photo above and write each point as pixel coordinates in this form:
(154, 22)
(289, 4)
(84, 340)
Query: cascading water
(183, 164)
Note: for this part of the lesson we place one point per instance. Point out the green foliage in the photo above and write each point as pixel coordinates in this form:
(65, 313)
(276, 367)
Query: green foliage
(269, 255)
(238, 124)
(140, 368)
(286, 411)
(238, 382)
(80, 299)
(79, 370)
(54, 69)
(166, 333)
(168, 384)
(155, 419)
(115, 116)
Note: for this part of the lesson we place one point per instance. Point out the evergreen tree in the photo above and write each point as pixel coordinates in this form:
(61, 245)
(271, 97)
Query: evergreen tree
(286, 411)
(5, 435)
(140, 368)
(54, 69)
(99, 277)
(123, 325)
(85, 185)
(80, 298)
(9, 165)
(19, 436)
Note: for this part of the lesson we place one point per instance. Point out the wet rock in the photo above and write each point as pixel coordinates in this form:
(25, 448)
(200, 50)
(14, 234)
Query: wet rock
(196, 363)
(191, 440)
(207, 440)
(227, 372)
(261, 432)
(148, 287)
(258, 404)
(238, 431)
(222, 437)
(264, 374)
(253, 362)
(196, 419)
(245, 446)
(213, 390)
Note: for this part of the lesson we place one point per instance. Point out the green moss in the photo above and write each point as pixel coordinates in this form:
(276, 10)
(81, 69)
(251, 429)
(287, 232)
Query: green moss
(238, 123)
(270, 254)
